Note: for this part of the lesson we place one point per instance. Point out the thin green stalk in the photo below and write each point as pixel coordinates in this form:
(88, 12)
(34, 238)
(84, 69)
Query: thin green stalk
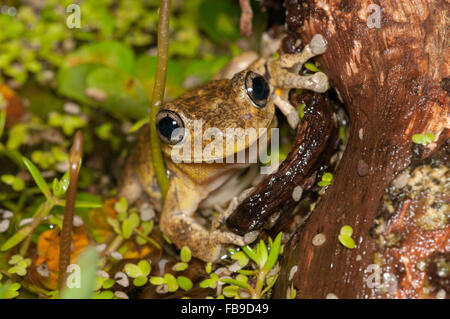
(259, 284)
(43, 212)
(158, 95)
(66, 232)
(149, 239)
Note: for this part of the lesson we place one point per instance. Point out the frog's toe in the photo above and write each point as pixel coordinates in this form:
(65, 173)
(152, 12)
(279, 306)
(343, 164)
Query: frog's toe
(226, 237)
(318, 44)
(320, 82)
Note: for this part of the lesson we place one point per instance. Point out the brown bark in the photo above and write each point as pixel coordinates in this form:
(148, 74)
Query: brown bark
(394, 83)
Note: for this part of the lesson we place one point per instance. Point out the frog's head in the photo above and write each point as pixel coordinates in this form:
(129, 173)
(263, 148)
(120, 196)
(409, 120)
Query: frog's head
(203, 117)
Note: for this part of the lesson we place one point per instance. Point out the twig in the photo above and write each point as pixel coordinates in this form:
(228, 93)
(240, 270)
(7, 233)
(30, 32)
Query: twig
(246, 17)
(66, 232)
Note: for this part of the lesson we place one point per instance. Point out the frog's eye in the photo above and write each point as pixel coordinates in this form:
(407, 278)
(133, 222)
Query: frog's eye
(170, 126)
(257, 88)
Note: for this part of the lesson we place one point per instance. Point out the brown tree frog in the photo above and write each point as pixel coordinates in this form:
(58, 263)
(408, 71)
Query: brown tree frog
(247, 100)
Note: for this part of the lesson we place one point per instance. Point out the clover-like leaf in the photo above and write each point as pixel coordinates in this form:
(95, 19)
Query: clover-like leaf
(184, 283)
(241, 258)
(155, 280)
(140, 281)
(171, 282)
(327, 179)
(121, 206)
(145, 267)
(185, 254)
(180, 266)
(133, 270)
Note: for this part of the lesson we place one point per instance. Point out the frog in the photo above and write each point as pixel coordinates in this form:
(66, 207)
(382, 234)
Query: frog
(247, 99)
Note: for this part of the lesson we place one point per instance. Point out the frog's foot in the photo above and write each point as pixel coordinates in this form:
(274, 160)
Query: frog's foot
(206, 245)
(286, 68)
(317, 46)
(220, 220)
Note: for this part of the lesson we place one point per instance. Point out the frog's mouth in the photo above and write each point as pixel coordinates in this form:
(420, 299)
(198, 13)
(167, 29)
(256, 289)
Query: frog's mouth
(236, 146)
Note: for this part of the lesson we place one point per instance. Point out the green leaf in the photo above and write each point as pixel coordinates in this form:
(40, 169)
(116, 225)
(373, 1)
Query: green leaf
(113, 54)
(184, 283)
(145, 267)
(251, 253)
(114, 223)
(236, 283)
(301, 110)
(171, 282)
(241, 258)
(125, 95)
(133, 270)
(104, 295)
(347, 241)
(37, 176)
(61, 187)
(121, 206)
(262, 253)
(127, 229)
(231, 291)
(71, 82)
(327, 177)
(15, 239)
(419, 139)
(185, 254)
(311, 66)
(208, 267)
(108, 283)
(156, 280)
(346, 230)
(88, 268)
(15, 259)
(180, 266)
(208, 283)
(273, 254)
(429, 137)
(134, 220)
(140, 281)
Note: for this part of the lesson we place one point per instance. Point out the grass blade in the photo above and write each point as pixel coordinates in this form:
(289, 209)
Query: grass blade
(37, 176)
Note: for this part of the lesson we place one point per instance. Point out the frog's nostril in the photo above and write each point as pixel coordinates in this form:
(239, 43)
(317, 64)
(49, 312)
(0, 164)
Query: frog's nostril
(170, 126)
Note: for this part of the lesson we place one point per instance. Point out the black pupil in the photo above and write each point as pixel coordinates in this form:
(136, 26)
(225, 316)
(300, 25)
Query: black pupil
(166, 126)
(260, 88)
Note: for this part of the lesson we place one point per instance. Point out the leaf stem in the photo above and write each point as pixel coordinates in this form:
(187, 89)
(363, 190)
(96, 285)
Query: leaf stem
(43, 212)
(147, 238)
(158, 95)
(66, 232)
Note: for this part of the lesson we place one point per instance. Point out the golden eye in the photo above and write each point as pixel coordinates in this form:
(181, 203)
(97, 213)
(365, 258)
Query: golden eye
(170, 126)
(257, 89)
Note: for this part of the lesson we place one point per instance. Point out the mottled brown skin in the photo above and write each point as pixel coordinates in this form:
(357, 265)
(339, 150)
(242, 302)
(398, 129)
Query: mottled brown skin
(218, 104)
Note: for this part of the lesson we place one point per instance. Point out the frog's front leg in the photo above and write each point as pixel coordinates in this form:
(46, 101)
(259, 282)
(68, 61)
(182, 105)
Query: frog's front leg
(178, 223)
(285, 76)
